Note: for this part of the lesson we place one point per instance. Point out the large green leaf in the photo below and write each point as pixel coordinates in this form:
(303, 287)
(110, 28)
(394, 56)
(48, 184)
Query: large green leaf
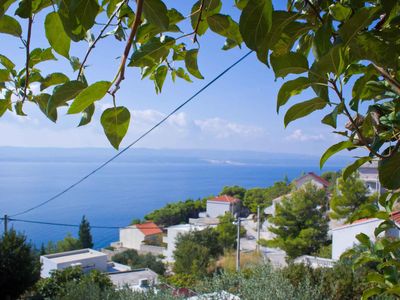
(191, 63)
(39, 55)
(156, 13)
(152, 53)
(87, 115)
(63, 93)
(339, 12)
(4, 75)
(322, 40)
(85, 11)
(10, 26)
(291, 88)
(88, 96)
(4, 105)
(389, 172)
(4, 5)
(256, 22)
(360, 20)
(303, 109)
(350, 169)
(6, 62)
(56, 35)
(333, 150)
(291, 63)
(225, 26)
(159, 77)
(115, 122)
(53, 79)
(42, 100)
(210, 8)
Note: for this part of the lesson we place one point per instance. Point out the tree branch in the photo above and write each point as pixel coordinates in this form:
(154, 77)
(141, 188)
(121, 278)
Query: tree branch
(28, 56)
(136, 23)
(357, 129)
(392, 81)
(92, 46)
(315, 10)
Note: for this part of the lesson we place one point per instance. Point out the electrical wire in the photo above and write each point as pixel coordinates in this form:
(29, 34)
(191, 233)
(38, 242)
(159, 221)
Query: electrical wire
(135, 141)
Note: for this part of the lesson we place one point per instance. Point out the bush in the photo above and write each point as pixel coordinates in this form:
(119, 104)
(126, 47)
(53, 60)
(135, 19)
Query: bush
(136, 261)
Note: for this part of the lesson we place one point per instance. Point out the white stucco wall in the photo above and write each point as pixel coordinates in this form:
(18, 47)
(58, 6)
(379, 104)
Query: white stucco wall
(131, 238)
(218, 208)
(344, 238)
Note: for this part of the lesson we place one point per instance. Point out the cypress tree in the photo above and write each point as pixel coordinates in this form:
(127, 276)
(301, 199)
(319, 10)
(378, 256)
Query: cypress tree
(85, 237)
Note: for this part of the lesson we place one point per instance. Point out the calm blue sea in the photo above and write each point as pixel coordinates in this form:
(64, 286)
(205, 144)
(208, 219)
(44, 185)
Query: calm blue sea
(136, 183)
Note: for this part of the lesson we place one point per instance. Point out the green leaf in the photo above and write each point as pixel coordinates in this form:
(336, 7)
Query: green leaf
(115, 122)
(87, 115)
(210, 8)
(331, 118)
(10, 26)
(367, 294)
(361, 19)
(53, 79)
(85, 11)
(6, 62)
(256, 22)
(322, 40)
(291, 88)
(291, 63)
(339, 12)
(225, 26)
(389, 172)
(156, 13)
(4, 5)
(56, 35)
(354, 166)
(159, 77)
(152, 53)
(333, 150)
(42, 100)
(18, 108)
(303, 109)
(4, 75)
(39, 55)
(88, 96)
(191, 63)
(180, 72)
(24, 9)
(364, 239)
(63, 93)
(4, 105)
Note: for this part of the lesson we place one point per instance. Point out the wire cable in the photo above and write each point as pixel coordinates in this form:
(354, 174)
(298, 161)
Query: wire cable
(135, 141)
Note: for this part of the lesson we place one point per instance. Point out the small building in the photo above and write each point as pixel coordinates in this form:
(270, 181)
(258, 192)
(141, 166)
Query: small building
(369, 175)
(136, 280)
(344, 237)
(314, 261)
(270, 210)
(172, 234)
(87, 259)
(134, 236)
(312, 178)
(218, 206)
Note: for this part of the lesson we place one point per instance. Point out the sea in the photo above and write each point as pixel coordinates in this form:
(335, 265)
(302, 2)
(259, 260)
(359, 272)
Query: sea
(134, 184)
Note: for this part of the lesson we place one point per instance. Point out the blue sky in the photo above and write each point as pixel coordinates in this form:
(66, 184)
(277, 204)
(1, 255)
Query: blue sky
(238, 112)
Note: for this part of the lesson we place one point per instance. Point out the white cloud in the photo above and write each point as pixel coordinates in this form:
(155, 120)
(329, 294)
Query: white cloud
(299, 135)
(221, 128)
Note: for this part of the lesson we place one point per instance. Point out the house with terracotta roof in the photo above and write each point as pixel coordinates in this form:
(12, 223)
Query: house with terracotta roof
(219, 205)
(344, 237)
(135, 236)
(312, 178)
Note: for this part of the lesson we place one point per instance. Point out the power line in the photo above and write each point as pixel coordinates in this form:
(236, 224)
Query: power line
(135, 141)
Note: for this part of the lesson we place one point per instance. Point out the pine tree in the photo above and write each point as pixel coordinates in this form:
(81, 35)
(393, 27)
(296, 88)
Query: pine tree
(85, 237)
(300, 222)
(348, 198)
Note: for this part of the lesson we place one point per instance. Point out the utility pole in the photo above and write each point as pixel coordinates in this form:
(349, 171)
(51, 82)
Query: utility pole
(5, 224)
(238, 246)
(258, 229)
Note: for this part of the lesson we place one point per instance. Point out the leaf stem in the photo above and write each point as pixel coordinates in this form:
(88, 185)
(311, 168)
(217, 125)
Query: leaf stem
(315, 10)
(28, 57)
(198, 21)
(92, 46)
(121, 71)
(392, 81)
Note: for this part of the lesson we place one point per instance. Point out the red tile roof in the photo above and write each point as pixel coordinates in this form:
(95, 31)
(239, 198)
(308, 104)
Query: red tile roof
(225, 198)
(316, 177)
(395, 216)
(149, 228)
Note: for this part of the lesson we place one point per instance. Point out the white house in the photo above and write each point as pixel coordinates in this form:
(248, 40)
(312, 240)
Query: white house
(134, 236)
(136, 280)
(172, 234)
(312, 178)
(218, 206)
(87, 259)
(369, 174)
(344, 237)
